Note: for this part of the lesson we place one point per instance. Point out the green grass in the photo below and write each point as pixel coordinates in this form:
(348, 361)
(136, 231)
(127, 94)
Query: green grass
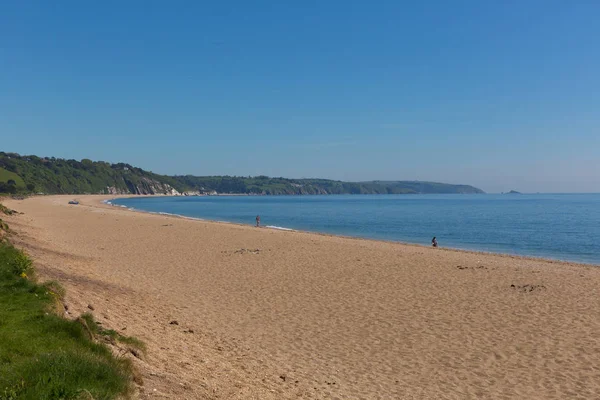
(6, 210)
(6, 175)
(45, 356)
(3, 229)
(98, 331)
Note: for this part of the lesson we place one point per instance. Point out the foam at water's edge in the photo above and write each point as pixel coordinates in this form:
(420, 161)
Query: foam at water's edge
(194, 218)
(278, 227)
(110, 203)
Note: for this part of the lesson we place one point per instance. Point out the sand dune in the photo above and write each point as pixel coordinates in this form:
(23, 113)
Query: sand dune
(286, 315)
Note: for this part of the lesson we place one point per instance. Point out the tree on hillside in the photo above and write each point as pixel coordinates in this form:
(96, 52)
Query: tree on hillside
(6, 188)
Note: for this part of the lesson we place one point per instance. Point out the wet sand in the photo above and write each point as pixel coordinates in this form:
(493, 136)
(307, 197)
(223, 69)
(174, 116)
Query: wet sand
(287, 315)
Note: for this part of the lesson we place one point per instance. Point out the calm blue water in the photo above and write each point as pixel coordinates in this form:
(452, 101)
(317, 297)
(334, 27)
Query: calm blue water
(564, 226)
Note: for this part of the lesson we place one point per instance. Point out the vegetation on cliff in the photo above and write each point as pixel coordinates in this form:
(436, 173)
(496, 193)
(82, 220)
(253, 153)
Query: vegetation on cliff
(55, 175)
(20, 174)
(284, 186)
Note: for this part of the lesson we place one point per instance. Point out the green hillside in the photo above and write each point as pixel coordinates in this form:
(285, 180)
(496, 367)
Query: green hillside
(284, 186)
(8, 176)
(54, 175)
(11, 182)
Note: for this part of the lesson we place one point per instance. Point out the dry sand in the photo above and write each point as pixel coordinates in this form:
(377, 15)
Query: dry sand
(312, 316)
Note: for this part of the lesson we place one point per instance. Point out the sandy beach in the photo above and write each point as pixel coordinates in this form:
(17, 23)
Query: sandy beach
(267, 314)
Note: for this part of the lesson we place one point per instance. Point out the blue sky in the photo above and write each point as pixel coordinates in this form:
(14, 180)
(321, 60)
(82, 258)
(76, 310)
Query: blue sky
(498, 94)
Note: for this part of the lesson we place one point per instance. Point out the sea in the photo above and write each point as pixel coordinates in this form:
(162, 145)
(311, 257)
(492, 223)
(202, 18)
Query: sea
(556, 226)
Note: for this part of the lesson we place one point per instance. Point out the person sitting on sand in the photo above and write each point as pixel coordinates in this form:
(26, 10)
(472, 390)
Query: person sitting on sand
(258, 221)
(434, 242)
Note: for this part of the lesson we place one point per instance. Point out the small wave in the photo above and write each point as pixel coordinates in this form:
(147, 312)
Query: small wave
(167, 214)
(278, 227)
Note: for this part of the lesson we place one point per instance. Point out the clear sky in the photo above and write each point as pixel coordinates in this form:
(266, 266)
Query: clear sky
(498, 94)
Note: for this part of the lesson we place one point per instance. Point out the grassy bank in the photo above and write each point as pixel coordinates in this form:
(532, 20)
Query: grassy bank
(45, 356)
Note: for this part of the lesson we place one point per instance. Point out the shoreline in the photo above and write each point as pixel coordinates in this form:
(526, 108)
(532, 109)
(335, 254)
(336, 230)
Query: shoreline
(231, 311)
(106, 202)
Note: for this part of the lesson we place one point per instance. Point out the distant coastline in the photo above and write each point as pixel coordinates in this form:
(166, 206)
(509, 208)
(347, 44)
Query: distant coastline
(48, 175)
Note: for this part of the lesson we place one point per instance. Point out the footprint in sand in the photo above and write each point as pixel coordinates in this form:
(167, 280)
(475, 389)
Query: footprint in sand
(247, 251)
(528, 288)
(477, 267)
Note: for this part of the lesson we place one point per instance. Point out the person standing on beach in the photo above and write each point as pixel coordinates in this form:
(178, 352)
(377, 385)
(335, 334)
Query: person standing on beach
(434, 242)
(258, 221)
